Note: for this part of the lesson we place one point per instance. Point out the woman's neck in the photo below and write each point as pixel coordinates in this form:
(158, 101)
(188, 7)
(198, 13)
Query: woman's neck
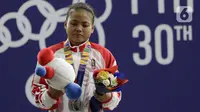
(77, 43)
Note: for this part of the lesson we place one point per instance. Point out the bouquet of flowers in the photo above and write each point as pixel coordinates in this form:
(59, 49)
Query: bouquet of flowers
(108, 80)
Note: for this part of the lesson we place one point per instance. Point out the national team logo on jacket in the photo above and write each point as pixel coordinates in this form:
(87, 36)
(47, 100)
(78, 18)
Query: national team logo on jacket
(93, 64)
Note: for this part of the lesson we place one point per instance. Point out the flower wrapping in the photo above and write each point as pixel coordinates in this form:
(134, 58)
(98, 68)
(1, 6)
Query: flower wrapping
(109, 79)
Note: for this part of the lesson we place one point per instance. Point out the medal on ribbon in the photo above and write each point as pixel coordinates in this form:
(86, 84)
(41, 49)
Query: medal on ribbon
(77, 105)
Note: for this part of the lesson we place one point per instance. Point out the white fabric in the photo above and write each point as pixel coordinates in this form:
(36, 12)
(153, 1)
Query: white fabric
(88, 86)
(64, 74)
(47, 101)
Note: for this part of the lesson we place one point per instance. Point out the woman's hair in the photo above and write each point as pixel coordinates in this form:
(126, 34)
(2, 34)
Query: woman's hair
(83, 6)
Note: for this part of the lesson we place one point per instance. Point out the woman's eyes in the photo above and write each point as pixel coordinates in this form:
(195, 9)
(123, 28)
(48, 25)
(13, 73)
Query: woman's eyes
(84, 24)
(74, 24)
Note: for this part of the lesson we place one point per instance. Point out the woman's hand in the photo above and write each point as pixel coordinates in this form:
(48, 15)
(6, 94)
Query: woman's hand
(55, 93)
(103, 98)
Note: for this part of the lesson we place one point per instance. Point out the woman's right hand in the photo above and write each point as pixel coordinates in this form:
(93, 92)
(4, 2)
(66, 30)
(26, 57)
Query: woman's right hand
(54, 93)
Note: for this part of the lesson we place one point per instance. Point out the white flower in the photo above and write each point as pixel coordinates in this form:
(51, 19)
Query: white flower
(106, 82)
(113, 80)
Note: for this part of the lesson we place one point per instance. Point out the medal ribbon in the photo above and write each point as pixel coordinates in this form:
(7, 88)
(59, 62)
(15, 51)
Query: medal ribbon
(83, 61)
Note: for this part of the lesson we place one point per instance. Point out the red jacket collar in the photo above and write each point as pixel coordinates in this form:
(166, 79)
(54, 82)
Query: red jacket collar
(79, 48)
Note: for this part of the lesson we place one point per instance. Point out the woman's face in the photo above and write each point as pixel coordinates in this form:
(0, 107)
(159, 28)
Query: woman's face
(79, 26)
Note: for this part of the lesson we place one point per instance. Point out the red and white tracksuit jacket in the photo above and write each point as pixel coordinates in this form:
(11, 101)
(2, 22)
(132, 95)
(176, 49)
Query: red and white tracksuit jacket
(103, 59)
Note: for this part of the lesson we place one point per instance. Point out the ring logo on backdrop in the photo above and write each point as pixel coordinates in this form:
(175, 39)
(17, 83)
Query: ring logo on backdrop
(48, 27)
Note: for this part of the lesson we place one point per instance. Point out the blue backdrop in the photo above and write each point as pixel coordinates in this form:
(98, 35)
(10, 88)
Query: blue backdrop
(155, 46)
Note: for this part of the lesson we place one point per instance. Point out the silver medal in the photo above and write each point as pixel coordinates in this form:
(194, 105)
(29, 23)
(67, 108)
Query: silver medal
(75, 105)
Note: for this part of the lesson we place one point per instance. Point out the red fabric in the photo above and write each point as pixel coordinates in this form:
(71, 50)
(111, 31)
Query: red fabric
(81, 48)
(106, 108)
(42, 81)
(60, 45)
(40, 98)
(43, 61)
(45, 56)
(108, 57)
(38, 93)
(49, 72)
(111, 70)
(36, 89)
(118, 93)
(56, 47)
(106, 54)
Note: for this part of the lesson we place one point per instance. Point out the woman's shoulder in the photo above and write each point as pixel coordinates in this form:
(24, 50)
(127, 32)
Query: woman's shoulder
(57, 46)
(98, 46)
(101, 49)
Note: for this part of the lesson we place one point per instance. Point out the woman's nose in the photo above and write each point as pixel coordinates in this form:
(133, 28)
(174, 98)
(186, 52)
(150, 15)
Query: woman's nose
(79, 28)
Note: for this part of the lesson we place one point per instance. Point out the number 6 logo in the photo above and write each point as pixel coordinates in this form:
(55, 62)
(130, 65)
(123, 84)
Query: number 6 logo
(184, 14)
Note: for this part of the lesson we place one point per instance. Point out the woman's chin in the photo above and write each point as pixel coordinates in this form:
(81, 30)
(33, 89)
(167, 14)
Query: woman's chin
(77, 42)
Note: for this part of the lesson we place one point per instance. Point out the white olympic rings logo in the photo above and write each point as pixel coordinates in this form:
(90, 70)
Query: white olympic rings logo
(48, 27)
